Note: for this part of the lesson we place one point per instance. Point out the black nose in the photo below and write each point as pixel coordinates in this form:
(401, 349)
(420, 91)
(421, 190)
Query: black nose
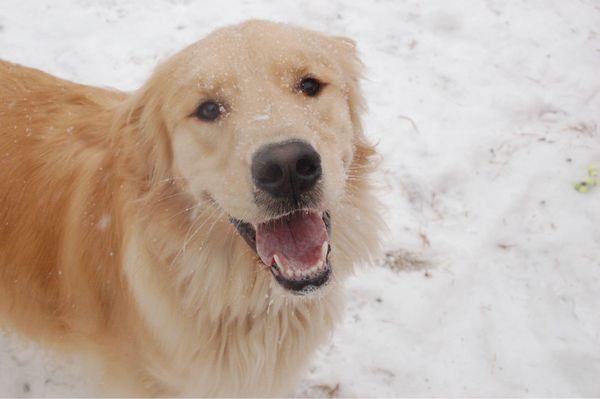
(286, 169)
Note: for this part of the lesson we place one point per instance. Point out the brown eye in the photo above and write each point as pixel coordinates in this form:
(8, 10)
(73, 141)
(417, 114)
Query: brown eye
(310, 86)
(209, 111)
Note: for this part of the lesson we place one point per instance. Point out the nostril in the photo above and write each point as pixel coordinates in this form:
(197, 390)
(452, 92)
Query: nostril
(271, 173)
(306, 167)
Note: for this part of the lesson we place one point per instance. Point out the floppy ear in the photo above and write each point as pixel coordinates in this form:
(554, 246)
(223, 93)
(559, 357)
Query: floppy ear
(143, 137)
(360, 236)
(353, 68)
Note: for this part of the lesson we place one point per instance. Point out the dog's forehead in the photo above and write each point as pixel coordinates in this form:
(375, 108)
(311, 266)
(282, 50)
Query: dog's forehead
(256, 48)
(257, 35)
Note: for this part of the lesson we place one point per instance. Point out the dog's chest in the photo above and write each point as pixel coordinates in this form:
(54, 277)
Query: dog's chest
(216, 350)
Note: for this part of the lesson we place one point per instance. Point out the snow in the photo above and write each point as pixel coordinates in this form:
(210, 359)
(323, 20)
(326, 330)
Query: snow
(486, 114)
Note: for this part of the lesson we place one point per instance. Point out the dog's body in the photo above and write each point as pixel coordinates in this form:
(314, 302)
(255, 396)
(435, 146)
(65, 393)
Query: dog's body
(115, 241)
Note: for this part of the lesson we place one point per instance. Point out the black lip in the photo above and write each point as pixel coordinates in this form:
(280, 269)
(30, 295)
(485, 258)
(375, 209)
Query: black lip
(299, 287)
(247, 232)
(303, 287)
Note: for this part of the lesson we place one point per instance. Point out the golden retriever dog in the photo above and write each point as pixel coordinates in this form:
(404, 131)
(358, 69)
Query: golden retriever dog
(189, 237)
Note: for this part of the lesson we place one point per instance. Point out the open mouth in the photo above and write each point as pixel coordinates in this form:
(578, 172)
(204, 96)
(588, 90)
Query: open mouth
(295, 247)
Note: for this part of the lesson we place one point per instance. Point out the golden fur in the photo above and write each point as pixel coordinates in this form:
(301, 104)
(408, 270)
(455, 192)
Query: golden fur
(115, 238)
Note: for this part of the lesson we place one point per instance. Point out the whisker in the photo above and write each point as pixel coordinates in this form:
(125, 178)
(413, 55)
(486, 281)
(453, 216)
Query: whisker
(172, 196)
(187, 239)
(213, 226)
(195, 206)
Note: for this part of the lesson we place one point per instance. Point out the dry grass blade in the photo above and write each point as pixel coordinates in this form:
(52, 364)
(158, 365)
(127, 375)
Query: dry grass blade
(401, 260)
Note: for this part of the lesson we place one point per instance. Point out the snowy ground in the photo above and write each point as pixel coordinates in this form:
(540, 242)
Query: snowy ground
(486, 113)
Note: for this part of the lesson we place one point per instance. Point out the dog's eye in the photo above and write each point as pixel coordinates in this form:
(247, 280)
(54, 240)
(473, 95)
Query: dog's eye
(209, 111)
(310, 86)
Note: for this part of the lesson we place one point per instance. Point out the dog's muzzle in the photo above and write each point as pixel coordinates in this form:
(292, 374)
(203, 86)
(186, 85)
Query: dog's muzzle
(295, 242)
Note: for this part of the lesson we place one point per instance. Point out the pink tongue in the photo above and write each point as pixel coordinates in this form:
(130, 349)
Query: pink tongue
(298, 237)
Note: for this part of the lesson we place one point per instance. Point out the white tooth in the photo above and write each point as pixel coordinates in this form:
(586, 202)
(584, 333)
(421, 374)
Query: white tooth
(318, 265)
(289, 273)
(324, 249)
(298, 273)
(277, 260)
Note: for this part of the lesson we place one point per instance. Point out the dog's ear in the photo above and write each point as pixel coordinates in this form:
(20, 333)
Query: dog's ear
(353, 68)
(143, 135)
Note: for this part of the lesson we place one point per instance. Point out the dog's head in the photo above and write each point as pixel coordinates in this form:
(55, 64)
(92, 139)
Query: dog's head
(262, 119)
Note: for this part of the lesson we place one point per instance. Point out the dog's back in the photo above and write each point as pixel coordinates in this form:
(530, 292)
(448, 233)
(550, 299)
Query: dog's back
(48, 163)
